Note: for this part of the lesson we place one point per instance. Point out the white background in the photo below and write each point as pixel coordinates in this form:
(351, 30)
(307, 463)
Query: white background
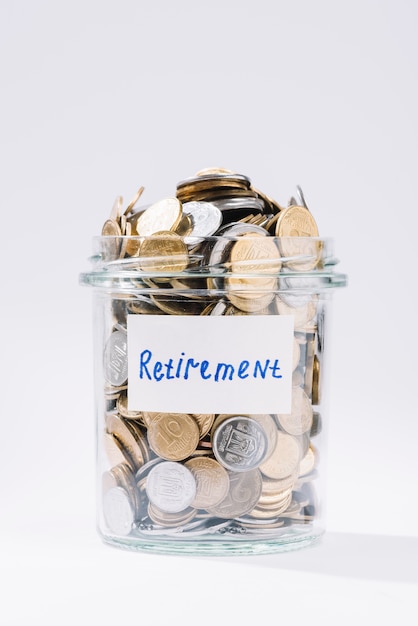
(100, 97)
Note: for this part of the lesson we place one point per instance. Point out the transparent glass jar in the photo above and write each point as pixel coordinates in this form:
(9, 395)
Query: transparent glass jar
(210, 384)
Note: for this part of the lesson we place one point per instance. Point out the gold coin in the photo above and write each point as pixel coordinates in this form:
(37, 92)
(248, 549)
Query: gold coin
(185, 226)
(111, 247)
(258, 302)
(122, 407)
(212, 194)
(134, 200)
(295, 226)
(285, 458)
(113, 393)
(254, 253)
(296, 221)
(272, 500)
(143, 305)
(124, 226)
(116, 426)
(212, 481)
(267, 511)
(315, 381)
(215, 181)
(133, 243)
(308, 462)
(204, 421)
(271, 224)
(274, 486)
(249, 288)
(139, 432)
(111, 229)
(269, 426)
(208, 171)
(309, 365)
(126, 231)
(116, 211)
(299, 421)
(113, 450)
(147, 417)
(173, 436)
(177, 305)
(164, 252)
(161, 216)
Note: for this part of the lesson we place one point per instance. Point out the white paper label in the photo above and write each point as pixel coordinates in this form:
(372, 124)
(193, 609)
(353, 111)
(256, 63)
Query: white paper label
(210, 364)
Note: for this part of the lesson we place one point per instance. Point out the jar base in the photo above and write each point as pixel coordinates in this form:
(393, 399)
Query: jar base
(218, 546)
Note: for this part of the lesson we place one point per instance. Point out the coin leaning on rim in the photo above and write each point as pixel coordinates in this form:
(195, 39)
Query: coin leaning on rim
(163, 215)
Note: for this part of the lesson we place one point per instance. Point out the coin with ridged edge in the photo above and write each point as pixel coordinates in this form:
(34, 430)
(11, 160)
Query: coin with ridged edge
(118, 511)
(243, 495)
(285, 457)
(299, 421)
(240, 443)
(205, 217)
(163, 215)
(115, 359)
(212, 481)
(295, 226)
(164, 252)
(173, 436)
(171, 487)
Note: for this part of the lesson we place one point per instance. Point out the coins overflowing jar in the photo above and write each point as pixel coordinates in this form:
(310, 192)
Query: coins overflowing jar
(210, 320)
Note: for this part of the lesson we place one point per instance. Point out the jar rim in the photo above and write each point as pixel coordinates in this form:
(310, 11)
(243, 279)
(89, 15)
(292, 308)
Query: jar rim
(296, 263)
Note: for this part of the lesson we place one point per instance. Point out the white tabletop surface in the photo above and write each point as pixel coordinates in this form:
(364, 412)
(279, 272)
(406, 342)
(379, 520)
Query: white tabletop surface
(99, 98)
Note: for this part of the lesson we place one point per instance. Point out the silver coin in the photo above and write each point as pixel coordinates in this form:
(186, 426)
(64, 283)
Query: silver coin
(219, 308)
(171, 487)
(118, 511)
(244, 493)
(240, 443)
(226, 204)
(296, 291)
(236, 229)
(205, 216)
(146, 468)
(115, 359)
(298, 199)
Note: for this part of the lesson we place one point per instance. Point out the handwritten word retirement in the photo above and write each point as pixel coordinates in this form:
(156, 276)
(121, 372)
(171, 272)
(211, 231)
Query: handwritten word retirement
(185, 367)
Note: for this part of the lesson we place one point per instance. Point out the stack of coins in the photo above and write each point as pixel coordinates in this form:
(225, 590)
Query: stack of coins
(218, 247)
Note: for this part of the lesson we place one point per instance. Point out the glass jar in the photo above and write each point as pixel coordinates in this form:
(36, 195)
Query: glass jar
(210, 384)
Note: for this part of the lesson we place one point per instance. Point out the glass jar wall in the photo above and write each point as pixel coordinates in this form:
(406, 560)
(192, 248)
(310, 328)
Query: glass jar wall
(210, 370)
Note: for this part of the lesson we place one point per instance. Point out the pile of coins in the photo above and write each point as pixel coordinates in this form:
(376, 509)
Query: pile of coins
(219, 247)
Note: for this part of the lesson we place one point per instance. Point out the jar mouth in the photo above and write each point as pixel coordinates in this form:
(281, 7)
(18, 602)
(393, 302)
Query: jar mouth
(250, 262)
